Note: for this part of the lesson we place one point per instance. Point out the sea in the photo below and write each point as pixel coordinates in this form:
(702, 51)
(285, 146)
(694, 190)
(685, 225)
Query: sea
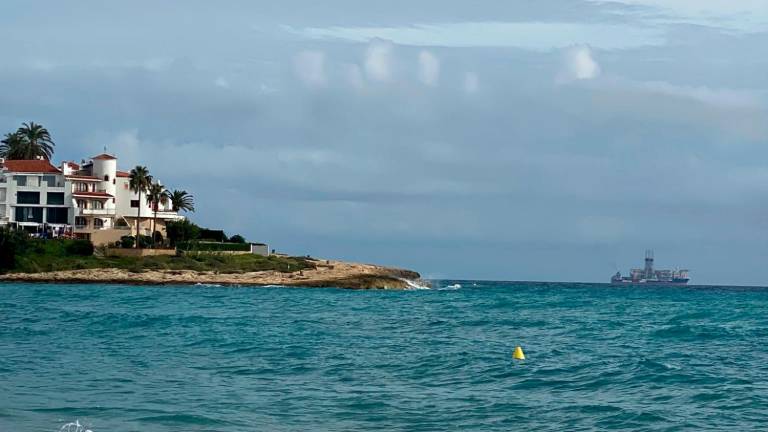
(77, 358)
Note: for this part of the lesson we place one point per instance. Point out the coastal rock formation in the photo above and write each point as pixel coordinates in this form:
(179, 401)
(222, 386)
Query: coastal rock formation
(326, 274)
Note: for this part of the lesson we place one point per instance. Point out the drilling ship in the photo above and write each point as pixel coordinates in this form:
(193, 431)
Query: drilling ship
(648, 275)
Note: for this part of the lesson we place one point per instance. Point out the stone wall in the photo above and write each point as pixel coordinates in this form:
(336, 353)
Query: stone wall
(107, 236)
(133, 252)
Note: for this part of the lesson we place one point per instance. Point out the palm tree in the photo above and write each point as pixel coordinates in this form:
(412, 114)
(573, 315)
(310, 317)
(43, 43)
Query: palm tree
(13, 146)
(140, 180)
(37, 139)
(181, 200)
(156, 195)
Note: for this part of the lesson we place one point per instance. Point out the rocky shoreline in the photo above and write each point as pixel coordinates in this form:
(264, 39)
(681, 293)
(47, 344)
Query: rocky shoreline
(326, 274)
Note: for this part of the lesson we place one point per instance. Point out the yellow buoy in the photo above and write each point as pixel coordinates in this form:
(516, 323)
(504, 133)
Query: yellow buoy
(518, 354)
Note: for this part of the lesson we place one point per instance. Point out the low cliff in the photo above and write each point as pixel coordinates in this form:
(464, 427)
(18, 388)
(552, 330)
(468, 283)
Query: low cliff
(324, 273)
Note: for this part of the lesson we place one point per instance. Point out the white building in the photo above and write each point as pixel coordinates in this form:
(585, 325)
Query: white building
(93, 201)
(33, 194)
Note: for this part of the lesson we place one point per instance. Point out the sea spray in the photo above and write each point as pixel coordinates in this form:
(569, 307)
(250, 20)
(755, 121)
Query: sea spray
(74, 427)
(416, 284)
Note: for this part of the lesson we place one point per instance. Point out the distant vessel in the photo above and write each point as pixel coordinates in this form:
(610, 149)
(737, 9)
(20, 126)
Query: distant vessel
(648, 275)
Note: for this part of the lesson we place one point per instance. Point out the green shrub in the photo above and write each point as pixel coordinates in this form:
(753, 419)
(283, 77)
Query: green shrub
(12, 244)
(181, 231)
(237, 238)
(145, 241)
(212, 235)
(79, 248)
(127, 241)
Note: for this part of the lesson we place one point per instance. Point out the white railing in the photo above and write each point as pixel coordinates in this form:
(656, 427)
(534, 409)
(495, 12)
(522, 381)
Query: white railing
(97, 212)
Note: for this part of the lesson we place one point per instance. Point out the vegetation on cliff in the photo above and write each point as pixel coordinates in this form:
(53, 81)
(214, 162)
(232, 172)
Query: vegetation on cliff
(21, 254)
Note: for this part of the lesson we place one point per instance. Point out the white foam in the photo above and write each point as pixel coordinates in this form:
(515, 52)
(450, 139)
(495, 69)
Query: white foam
(74, 427)
(415, 285)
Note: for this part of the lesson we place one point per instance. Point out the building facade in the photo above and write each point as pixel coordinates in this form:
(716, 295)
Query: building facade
(34, 193)
(92, 200)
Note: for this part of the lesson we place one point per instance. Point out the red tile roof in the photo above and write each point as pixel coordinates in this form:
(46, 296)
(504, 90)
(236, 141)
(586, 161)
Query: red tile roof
(93, 194)
(104, 156)
(72, 165)
(30, 166)
(123, 174)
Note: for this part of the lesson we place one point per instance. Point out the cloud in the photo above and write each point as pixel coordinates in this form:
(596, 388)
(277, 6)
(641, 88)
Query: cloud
(578, 64)
(725, 98)
(310, 68)
(124, 143)
(429, 68)
(471, 82)
(600, 229)
(378, 60)
(221, 82)
(740, 15)
(539, 36)
(354, 76)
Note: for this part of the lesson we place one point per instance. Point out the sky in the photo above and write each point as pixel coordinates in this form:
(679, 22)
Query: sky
(551, 140)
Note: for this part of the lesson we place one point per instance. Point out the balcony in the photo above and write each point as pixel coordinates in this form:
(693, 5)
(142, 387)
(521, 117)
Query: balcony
(89, 228)
(162, 214)
(95, 212)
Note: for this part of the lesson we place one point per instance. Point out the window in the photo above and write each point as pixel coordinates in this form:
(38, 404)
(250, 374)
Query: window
(97, 205)
(50, 180)
(106, 177)
(81, 187)
(28, 197)
(134, 203)
(98, 223)
(55, 198)
(56, 215)
(81, 204)
(29, 214)
(81, 221)
(20, 180)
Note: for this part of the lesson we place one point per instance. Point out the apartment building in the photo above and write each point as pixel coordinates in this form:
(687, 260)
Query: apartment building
(34, 193)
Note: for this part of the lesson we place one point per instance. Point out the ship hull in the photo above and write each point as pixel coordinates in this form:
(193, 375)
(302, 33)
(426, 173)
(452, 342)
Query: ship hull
(652, 283)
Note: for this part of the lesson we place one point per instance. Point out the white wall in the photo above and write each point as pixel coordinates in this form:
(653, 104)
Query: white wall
(124, 196)
(35, 183)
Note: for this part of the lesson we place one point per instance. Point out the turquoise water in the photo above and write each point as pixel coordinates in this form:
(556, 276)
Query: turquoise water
(118, 358)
